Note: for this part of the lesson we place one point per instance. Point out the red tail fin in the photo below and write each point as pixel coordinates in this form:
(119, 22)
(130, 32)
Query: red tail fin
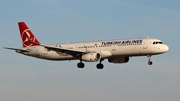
(28, 39)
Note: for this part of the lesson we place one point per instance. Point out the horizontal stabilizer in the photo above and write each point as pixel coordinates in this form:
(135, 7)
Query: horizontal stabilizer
(16, 49)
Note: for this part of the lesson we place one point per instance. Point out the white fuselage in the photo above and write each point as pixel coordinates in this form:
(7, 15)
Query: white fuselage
(107, 49)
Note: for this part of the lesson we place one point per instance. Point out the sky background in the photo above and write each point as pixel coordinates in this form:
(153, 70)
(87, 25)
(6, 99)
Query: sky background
(25, 78)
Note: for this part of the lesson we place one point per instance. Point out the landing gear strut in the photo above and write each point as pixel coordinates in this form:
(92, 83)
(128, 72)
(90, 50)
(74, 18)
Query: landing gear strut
(149, 60)
(100, 66)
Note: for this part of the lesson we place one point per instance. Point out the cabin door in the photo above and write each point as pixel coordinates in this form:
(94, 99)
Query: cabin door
(145, 44)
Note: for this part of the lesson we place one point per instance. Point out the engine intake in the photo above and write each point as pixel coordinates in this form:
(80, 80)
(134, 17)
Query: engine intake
(91, 57)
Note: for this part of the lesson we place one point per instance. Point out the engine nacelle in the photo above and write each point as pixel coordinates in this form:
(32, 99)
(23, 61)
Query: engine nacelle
(119, 60)
(91, 57)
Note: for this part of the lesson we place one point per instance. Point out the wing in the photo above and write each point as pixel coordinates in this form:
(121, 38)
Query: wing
(64, 50)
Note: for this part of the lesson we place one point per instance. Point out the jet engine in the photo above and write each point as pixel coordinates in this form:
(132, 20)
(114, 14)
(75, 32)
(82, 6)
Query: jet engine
(119, 60)
(91, 57)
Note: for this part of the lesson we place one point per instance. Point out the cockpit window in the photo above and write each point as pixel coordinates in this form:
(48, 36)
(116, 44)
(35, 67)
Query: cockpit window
(157, 42)
(160, 43)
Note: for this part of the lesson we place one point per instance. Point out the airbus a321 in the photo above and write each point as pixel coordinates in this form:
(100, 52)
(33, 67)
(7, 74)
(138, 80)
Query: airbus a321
(116, 51)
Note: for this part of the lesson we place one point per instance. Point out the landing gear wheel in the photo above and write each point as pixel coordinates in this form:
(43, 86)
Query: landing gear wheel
(150, 62)
(100, 66)
(80, 65)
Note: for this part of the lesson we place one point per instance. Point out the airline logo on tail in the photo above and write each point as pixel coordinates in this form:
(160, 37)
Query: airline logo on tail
(28, 39)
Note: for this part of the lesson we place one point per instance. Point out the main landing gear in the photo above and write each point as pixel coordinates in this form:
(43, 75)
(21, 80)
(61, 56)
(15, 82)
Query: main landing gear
(149, 60)
(99, 65)
(80, 65)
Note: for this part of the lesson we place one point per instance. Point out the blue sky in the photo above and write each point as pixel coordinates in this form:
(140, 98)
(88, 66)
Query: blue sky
(57, 21)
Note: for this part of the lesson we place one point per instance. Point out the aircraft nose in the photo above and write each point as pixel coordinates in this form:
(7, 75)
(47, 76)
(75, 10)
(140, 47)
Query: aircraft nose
(166, 48)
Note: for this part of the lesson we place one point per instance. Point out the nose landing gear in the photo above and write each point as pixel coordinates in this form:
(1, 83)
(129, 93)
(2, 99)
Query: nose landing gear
(149, 60)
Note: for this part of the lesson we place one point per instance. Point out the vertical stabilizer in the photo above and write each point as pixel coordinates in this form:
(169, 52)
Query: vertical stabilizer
(28, 39)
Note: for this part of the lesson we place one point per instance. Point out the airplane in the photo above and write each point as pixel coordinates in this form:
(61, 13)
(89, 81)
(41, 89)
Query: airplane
(116, 51)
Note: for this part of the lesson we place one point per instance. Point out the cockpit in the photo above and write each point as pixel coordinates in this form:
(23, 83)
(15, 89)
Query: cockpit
(158, 46)
(157, 42)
